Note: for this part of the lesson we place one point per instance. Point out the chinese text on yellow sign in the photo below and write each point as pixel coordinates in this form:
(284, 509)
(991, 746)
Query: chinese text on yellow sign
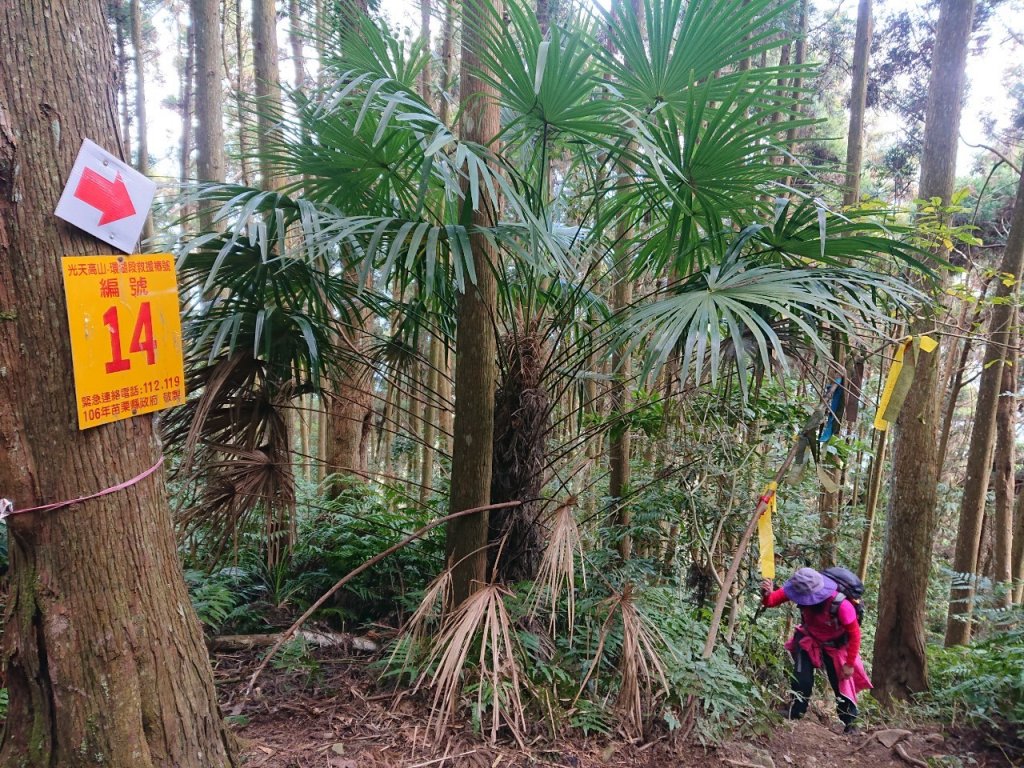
(125, 335)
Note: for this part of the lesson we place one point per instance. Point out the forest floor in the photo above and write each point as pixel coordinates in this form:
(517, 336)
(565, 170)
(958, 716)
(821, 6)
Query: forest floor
(337, 717)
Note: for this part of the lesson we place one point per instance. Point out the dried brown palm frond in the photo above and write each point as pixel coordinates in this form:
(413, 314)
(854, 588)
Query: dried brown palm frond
(640, 666)
(234, 438)
(480, 625)
(424, 619)
(237, 487)
(557, 569)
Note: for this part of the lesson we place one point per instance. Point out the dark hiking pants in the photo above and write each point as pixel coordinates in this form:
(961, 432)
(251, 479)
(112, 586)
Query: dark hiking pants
(802, 683)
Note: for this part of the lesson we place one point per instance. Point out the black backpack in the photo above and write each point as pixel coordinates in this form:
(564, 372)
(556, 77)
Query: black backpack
(849, 588)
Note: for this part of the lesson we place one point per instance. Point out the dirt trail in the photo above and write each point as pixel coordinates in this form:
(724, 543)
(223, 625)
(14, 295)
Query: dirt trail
(337, 720)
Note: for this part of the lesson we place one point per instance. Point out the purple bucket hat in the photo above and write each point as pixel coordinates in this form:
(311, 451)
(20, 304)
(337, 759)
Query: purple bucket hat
(808, 587)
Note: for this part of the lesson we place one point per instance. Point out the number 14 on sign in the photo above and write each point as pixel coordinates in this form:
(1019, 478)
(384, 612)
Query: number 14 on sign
(125, 330)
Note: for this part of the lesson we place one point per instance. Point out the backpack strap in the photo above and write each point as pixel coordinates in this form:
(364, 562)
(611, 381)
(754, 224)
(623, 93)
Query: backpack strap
(833, 608)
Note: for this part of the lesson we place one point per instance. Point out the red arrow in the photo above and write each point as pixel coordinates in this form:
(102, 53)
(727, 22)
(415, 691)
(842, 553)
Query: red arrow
(109, 197)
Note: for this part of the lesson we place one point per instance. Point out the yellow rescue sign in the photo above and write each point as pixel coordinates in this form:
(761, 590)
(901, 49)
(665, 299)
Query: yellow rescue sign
(125, 335)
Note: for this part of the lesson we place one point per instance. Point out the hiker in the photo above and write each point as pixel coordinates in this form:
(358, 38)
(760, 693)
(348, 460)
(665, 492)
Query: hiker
(828, 636)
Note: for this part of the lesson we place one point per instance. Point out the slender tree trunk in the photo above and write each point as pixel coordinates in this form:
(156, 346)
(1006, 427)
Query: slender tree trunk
(426, 76)
(323, 422)
(451, 9)
(858, 102)
(241, 60)
(466, 539)
(1017, 559)
(957, 379)
(619, 443)
(543, 16)
(800, 56)
(871, 504)
(430, 413)
(295, 38)
(900, 667)
(983, 434)
(105, 660)
(1004, 466)
(187, 81)
(210, 164)
(142, 161)
(120, 11)
(268, 87)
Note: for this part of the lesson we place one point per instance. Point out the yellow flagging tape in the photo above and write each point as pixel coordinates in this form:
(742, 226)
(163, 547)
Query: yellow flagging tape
(765, 538)
(900, 378)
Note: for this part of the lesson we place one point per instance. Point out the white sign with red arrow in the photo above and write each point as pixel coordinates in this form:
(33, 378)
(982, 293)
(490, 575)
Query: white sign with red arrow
(106, 197)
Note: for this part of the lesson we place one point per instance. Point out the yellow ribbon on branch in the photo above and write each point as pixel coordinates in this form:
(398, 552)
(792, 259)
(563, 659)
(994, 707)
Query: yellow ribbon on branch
(765, 538)
(901, 377)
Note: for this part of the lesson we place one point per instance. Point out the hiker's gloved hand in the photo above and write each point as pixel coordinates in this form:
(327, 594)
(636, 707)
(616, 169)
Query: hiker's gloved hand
(847, 671)
(766, 587)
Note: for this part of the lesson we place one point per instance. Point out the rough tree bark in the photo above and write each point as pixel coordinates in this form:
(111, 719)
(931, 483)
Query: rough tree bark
(900, 667)
(983, 433)
(210, 163)
(619, 443)
(268, 86)
(1003, 475)
(1017, 559)
(466, 538)
(451, 10)
(142, 155)
(187, 77)
(104, 656)
(858, 102)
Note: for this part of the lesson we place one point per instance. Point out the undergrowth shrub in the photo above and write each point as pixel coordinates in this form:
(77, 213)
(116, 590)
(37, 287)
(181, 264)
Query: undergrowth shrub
(333, 537)
(982, 685)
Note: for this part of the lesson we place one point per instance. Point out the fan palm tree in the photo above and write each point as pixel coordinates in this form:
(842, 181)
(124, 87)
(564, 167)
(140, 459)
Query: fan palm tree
(387, 191)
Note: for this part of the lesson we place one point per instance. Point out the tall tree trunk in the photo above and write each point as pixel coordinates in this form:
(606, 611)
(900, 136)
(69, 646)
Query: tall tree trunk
(543, 16)
(209, 99)
(241, 60)
(1017, 559)
(295, 38)
(466, 537)
(120, 11)
(268, 87)
(105, 660)
(619, 443)
(187, 83)
(983, 433)
(1004, 469)
(900, 667)
(426, 76)
(451, 9)
(142, 161)
(858, 102)
(800, 56)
